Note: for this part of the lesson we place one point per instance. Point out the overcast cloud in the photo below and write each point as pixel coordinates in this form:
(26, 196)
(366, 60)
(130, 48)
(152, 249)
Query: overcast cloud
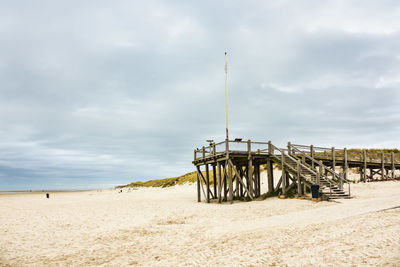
(99, 93)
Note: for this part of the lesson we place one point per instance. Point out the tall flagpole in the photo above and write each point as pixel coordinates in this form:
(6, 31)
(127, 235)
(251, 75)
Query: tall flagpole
(226, 95)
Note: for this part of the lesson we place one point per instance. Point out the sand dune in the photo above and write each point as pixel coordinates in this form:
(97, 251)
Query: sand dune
(167, 227)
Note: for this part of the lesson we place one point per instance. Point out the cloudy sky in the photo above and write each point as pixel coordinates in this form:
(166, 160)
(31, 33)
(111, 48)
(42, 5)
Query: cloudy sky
(99, 93)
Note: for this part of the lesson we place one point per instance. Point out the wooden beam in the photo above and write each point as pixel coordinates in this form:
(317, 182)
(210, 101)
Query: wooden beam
(198, 185)
(230, 183)
(239, 178)
(383, 165)
(312, 156)
(298, 178)
(215, 179)
(278, 185)
(225, 181)
(284, 185)
(345, 169)
(250, 170)
(201, 184)
(270, 174)
(219, 181)
(205, 182)
(333, 159)
(364, 165)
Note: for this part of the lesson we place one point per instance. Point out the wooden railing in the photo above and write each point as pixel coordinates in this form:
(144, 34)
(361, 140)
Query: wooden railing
(294, 150)
(231, 146)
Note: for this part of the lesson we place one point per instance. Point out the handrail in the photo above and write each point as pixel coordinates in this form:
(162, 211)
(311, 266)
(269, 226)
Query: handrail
(294, 160)
(334, 174)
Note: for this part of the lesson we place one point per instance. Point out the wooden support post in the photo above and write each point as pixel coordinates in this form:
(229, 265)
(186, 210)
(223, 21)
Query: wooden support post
(298, 179)
(219, 182)
(230, 183)
(225, 181)
(312, 155)
(215, 180)
(383, 165)
(345, 169)
(289, 147)
(284, 185)
(364, 165)
(270, 169)
(392, 159)
(270, 174)
(198, 186)
(250, 169)
(258, 181)
(333, 159)
(321, 171)
(237, 188)
(240, 184)
(207, 184)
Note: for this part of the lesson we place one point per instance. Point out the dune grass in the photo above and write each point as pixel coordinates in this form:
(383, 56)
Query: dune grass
(190, 177)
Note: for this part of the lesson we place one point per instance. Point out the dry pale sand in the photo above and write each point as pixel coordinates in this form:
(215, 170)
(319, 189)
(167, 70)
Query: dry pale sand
(167, 227)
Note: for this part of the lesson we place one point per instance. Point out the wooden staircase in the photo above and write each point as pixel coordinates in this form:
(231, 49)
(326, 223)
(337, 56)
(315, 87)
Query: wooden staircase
(309, 171)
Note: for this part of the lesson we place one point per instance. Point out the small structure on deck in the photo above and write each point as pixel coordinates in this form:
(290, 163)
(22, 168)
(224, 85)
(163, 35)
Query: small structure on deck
(236, 166)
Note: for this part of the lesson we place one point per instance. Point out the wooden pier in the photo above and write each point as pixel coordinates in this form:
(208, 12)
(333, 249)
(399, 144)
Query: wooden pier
(234, 167)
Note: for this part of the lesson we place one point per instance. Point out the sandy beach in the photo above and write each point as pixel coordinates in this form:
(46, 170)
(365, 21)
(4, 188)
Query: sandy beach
(167, 227)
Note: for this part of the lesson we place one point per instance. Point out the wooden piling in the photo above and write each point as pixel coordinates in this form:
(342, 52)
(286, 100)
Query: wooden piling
(250, 170)
(283, 172)
(198, 187)
(312, 155)
(345, 169)
(383, 165)
(298, 179)
(219, 182)
(393, 167)
(364, 165)
(207, 184)
(230, 196)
